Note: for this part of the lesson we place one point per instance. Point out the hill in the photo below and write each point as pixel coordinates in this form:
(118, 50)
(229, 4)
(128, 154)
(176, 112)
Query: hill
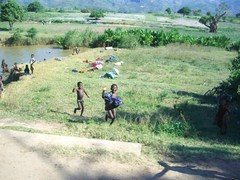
(138, 5)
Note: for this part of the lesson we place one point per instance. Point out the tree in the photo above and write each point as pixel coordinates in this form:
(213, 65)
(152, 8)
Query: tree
(196, 12)
(211, 21)
(238, 15)
(34, 7)
(184, 11)
(168, 10)
(11, 12)
(96, 14)
(222, 7)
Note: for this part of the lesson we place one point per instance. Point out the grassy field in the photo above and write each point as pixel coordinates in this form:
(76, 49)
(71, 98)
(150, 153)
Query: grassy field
(161, 87)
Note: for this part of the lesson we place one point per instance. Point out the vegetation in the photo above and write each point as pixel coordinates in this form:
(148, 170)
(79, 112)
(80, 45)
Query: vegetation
(96, 14)
(184, 11)
(16, 37)
(169, 10)
(75, 38)
(145, 37)
(211, 21)
(32, 33)
(231, 85)
(35, 7)
(11, 12)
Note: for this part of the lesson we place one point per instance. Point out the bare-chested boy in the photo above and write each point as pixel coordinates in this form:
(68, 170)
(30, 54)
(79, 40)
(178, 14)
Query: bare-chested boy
(80, 94)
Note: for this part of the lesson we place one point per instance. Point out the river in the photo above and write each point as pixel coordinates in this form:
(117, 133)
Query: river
(21, 54)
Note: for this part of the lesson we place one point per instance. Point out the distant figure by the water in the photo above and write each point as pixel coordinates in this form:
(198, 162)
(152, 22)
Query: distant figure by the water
(32, 61)
(1, 87)
(4, 67)
(26, 70)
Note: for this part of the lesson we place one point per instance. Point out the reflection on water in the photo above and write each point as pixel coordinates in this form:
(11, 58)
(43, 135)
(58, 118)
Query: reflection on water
(21, 54)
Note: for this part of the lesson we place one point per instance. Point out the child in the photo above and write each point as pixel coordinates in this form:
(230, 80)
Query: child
(112, 101)
(80, 94)
(16, 69)
(223, 113)
(32, 61)
(4, 67)
(26, 70)
(1, 87)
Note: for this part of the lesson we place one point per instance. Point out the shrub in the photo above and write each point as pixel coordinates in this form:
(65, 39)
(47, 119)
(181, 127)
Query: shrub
(32, 33)
(234, 46)
(75, 38)
(16, 37)
(176, 127)
(231, 85)
(129, 41)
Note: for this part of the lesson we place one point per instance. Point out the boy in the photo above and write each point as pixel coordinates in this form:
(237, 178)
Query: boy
(1, 87)
(223, 114)
(112, 101)
(32, 61)
(80, 94)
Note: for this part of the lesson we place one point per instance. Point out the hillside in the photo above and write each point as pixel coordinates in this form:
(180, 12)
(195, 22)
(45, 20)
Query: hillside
(138, 5)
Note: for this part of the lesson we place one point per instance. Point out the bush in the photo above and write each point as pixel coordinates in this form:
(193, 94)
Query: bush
(75, 38)
(58, 21)
(32, 33)
(129, 41)
(234, 46)
(16, 37)
(171, 126)
(231, 85)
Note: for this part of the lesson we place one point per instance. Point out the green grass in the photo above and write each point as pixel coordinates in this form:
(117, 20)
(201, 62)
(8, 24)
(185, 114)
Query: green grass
(158, 85)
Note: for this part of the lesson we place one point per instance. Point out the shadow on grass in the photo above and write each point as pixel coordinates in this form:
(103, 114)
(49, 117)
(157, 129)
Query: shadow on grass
(192, 170)
(202, 153)
(76, 118)
(4, 29)
(199, 116)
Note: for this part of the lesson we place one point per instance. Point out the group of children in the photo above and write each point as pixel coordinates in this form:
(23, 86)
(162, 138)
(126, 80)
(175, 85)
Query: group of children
(18, 69)
(112, 100)
(15, 71)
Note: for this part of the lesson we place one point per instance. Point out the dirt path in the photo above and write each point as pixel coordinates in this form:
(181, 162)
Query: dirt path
(23, 157)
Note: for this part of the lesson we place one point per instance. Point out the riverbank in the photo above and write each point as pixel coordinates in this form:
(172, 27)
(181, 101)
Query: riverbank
(21, 54)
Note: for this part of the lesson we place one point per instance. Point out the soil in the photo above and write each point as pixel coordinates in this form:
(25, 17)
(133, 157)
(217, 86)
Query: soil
(23, 159)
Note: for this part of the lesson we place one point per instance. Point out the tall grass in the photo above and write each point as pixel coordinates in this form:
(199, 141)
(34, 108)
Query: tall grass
(162, 89)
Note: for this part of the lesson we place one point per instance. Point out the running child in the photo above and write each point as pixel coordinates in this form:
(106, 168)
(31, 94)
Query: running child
(112, 101)
(80, 94)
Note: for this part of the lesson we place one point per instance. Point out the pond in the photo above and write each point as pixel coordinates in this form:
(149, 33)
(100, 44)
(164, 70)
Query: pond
(21, 54)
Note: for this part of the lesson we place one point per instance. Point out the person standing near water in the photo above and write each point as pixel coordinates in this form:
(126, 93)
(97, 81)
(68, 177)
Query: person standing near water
(32, 61)
(1, 87)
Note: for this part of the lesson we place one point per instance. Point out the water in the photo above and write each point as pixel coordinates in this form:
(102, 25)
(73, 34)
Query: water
(22, 54)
